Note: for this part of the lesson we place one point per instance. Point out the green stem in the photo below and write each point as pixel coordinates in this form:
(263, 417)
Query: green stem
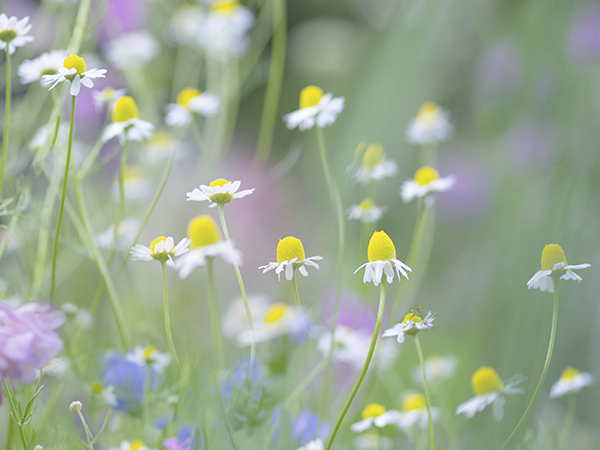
(14, 220)
(426, 386)
(295, 289)
(88, 433)
(147, 388)
(167, 319)
(220, 402)
(79, 29)
(6, 119)
(366, 365)
(546, 364)
(121, 210)
(213, 309)
(63, 196)
(566, 431)
(269, 113)
(201, 140)
(15, 413)
(241, 283)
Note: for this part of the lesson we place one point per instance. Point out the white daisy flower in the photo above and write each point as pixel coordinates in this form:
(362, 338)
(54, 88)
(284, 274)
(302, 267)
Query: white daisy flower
(218, 192)
(13, 32)
(148, 355)
(205, 243)
(382, 259)
(571, 380)
(366, 211)
(224, 31)
(131, 445)
(489, 390)
(190, 101)
(105, 394)
(427, 180)
(373, 165)
(161, 249)
(236, 320)
(411, 324)
(431, 126)
(132, 50)
(291, 257)
(82, 318)
(137, 186)
(44, 135)
(375, 415)
(350, 346)
(160, 145)
(373, 441)
(107, 96)
(126, 233)
(317, 444)
(280, 319)
(314, 107)
(414, 411)
(56, 367)
(554, 264)
(126, 123)
(437, 369)
(46, 64)
(73, 71)
(186, 22)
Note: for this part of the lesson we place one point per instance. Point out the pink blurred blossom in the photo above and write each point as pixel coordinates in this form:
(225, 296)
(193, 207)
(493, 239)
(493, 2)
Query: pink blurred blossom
(583, 42)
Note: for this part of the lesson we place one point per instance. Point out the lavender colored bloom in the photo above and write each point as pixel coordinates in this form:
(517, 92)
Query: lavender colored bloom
(500, 71)
(583, 43)
(185, 440)
(27, 339)
(236, 379)
(304, 427)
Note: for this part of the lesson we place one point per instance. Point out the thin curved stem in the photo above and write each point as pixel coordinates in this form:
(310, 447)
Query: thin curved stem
(213, 310)
(63, 196)
(295, 289)
(6, 119)
(566, 431)
(366, 365)
(15, 413)
(121, 210)
(427, 396)
(546, 364)
(167, 319)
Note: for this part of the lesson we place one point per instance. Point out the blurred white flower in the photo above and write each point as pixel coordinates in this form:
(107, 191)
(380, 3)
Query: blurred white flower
(126, 123)
(427, 180)
(554, 263)
(186, 22)
(57, 366)
(280, 319)
(437, 369)
(136, 185)
(570, 381)
(219, 192)
(47, 63)
(350, 346)
(410, 325)
(314, 107)
(373, 165)
(161, 249)
(74, 72)
(132, 50)
(191, 101)
(160, 145)
(366, 211)
(107, 96)
(431, 126)
(13, 32)
(317, 444)
(105, 394)
(373, 441)
(377, 416)
(148, 355)
(44, 135)
(132, 445)
(414, 411)
(236, 320)
(126, 233)
(224, 30)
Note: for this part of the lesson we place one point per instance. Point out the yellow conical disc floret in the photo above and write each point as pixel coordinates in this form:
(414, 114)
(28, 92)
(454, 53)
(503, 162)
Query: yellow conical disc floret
(156, 241)
(372, 410)
(412, 318)
(373, 156)
(219, 182)
(136, 445)
(289, 248)
(486, 380)
(96, 388)
(202, 230)
(148, 352)
(569, 373)
(125, 109)
(186, 95)
(381, 247)
(366, 205)
(426, 175)
(428, 112)
(75, 62)
(412, 402)
(275, 313)
(551, 255)
(225, 6)
(310, 96)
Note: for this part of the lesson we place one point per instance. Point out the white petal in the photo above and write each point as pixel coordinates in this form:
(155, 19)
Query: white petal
(75, 85)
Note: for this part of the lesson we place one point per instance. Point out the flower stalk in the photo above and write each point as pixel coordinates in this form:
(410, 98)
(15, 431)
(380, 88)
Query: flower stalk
(214, 314)
(426, 387)
(166, 314)
(6, 119)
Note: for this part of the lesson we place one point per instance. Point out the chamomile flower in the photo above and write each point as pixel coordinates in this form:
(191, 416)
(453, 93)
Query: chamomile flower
(126, 233)
(350, 346)
(554, 265)
(431, 126)
(437, 369)
(144, 355)
(191, 101)
(107, 96)
(489, 390)
(206, 242)
(373, 165)
(314, 107)
(375, 415)
(236, 319)
(411, 324)
(224, 31)
(46, 64)
(73, 71)
(131, 445)
(373, 441)
(291, 257)
(427, 180)
(137, 186)
(56, 367)
(161, 249)
(13, 33)
(414, 411)
(159, 148)
(132, 50)
(317, 444)
(382, 259)
(571, 380)
(185, 23)
(279, 320)
(218, 192)
(104, 393)
(126, 124)
(366, 211)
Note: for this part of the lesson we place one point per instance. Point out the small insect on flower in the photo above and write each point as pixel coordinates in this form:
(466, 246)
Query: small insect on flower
(126, 123)
(314, 107)
(73, 71)
(191, 101)
(149, 356)
(375, 415)
(414, 411)
(366, 211)
(489, 390)
(427, 181)
(46, 64)
(161, 249)
(13, 33)
(373, 165)
(291, 257)
(411, 324)
(382, 259)
(554, 265)
(571, 380)
(218, 192)
(431, 126)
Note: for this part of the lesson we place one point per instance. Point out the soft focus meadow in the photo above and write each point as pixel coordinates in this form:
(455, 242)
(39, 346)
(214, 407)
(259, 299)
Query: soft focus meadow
(306, 225)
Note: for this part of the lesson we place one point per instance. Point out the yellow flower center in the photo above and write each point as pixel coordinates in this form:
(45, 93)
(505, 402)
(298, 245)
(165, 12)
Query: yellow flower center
(372, 410)
(289, 248)
(310, 96)
(219, 182)
(186, 95)
(428, 112)
(156, 241)
(148, 352)
(410, 317)
(486, 380)
(569, 373)
(202, 230)
(136, 445)
(125, 109)
(75, 62)
(8, 35)
(161, 140)
(225, 6)
(412, 402)
(49, 71)
(96, 388)
(426, 175)
(366, 205)
(275, 313)
(381, 247)
(131, 174)
(223, 198)
(551, 255)
(373, 156)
